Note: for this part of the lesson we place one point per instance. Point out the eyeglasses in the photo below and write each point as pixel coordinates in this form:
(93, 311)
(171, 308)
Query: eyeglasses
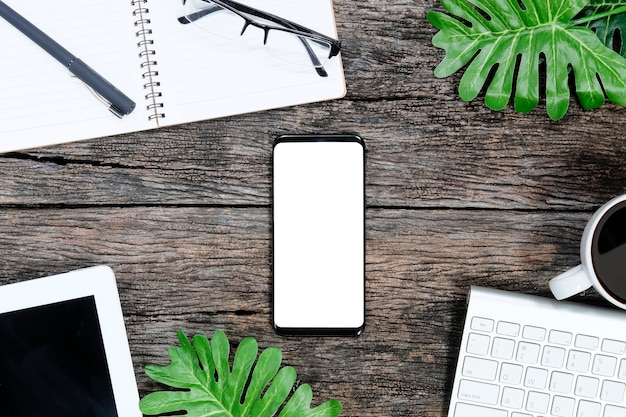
(288, 40)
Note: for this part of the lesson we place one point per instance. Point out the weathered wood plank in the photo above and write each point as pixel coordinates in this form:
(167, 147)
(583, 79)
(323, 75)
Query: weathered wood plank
(412, 161)
(203, 269)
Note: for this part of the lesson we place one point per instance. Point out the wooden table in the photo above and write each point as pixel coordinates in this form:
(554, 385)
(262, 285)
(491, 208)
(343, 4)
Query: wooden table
(456, 195)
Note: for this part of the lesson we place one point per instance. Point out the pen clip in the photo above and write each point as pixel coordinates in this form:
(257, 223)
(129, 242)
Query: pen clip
(99, 96)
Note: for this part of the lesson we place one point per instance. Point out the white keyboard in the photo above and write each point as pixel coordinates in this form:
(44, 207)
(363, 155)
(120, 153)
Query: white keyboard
(529, 356)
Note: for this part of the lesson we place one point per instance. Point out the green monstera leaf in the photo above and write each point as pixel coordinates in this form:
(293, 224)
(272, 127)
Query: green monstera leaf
(607, 18)
(503, 43)
(206, 386)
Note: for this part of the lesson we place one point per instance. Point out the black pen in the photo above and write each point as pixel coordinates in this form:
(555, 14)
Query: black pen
(119, 104)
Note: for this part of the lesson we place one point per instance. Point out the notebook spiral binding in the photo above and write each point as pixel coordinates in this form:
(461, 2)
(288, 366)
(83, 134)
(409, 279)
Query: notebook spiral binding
(147, 54)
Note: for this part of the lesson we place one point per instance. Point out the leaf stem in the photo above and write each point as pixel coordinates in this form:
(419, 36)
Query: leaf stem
(593, 17)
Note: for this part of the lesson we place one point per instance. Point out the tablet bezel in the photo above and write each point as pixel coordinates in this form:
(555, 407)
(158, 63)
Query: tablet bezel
(99, 282)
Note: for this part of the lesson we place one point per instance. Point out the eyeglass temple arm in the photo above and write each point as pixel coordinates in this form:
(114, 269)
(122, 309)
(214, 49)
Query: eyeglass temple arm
(314, 60)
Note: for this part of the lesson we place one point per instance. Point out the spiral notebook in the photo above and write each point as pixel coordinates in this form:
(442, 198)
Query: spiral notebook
(175, 73)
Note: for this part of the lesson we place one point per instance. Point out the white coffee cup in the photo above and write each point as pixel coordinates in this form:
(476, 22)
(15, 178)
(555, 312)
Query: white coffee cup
(602, 257)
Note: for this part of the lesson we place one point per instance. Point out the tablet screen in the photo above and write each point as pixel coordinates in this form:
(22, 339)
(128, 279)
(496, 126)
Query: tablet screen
(53, 362)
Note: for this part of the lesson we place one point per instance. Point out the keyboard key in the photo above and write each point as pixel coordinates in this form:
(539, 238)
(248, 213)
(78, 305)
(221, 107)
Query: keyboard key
(478, 344)
(534, 333)
(536, 378)
(480, 368)
(587, 342)
(563, 406)
(553, 357)
(612, 391)
(502, 348)
(561, 382)
(537, 402)
(527, 352)
(621, 374)
(588, 409)
(511, 373)
(520, 415)
(512, 398)
(478, 392)
(579, 361)
(470, 410)
(482, 324)
(614, 411)
(613, 346)
(560, 338)
(508, 329)
(604, 365)
(586, 386)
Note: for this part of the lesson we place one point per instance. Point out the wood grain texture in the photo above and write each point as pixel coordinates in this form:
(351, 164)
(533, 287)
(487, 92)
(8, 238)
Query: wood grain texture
(203, 269)
(456, 194)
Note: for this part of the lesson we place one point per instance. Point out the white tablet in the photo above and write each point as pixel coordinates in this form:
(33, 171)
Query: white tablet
(63, 348)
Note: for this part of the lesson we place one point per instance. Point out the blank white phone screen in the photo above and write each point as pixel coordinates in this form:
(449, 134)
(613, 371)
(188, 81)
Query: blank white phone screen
(319, 261)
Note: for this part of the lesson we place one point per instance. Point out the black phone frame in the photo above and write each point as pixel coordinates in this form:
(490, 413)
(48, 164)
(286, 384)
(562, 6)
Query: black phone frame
(321, 331)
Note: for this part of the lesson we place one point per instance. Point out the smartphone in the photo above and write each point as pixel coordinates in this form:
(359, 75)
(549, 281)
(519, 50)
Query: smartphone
(319, 235)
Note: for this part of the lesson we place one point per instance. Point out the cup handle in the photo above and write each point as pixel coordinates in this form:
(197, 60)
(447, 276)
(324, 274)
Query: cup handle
(570, 282)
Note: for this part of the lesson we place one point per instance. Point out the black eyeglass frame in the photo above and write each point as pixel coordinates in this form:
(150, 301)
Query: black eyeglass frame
(287, 26)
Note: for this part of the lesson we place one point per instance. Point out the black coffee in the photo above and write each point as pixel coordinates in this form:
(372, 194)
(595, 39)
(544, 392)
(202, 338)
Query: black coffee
(608, 251)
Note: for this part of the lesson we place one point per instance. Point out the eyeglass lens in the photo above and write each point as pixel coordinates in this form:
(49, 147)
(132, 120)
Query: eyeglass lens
(228, 26)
